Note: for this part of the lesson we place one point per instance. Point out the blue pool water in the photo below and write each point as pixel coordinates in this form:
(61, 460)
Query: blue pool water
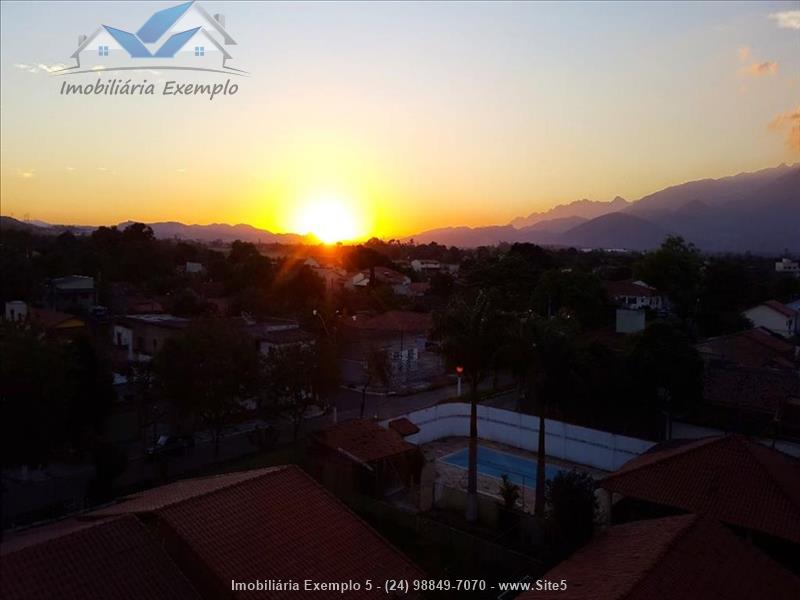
(495, 463)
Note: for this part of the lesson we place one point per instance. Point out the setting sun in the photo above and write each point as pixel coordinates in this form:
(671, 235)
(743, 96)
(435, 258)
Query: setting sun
(329, 219)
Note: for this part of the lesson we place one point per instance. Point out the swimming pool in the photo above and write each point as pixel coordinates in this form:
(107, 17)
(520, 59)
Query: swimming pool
(495, 464)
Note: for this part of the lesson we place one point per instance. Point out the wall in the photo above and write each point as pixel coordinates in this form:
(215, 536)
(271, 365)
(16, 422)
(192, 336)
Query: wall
(763, 316)
(581, 445)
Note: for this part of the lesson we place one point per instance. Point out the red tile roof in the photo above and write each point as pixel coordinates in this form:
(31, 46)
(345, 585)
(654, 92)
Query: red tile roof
(364, 440)
(629, 287)
(763, 390)
(756, 347)
(113, 558)
(395, 320)
(730, 478)
(781, 308)
(684, 557)
(273, 523)
(51, 319)
(403, 426)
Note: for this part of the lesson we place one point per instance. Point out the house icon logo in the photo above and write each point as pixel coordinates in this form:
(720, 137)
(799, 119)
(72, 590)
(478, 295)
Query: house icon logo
(182, 37)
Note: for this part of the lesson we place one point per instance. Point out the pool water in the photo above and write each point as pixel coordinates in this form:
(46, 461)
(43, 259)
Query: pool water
(495, 464)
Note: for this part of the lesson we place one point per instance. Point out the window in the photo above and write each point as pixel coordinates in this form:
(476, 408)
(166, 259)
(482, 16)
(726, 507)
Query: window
(199, 51)
(102, 50)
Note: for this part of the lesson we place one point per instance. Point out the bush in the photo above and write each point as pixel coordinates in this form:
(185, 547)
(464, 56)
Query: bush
(571, 509)
(509, 491)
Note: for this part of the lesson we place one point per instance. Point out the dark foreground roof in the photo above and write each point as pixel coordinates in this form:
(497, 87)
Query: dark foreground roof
(686, 557)
(275, 523)
(730, 478)
(112, 558)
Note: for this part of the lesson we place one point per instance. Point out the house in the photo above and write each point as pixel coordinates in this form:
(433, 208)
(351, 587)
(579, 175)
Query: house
(776, 317)
(197, 538)
(754, 348)
(179, 36)
(361, 456)
(403, 336)
(275, 334)
(686, 557)
(399, 283)
(730, 478)
(140, 337)
(74, 292)
(334, 277)
(422, 265)
(193, 268)
(789, 266)
(52, 322)
(635, 294)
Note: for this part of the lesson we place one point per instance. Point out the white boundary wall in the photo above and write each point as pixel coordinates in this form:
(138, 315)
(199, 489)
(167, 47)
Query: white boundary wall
(581, 445)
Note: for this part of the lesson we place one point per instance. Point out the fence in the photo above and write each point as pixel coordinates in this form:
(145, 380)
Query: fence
(581, 445)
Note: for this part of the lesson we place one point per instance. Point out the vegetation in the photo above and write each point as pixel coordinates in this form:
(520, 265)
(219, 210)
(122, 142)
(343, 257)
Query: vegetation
(571, 510)
(509, 491)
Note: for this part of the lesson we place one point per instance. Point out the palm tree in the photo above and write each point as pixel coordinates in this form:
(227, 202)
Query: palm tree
(471, 335)
(543, 363)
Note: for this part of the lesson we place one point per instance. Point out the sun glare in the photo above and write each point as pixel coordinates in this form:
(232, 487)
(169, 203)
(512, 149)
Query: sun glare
(329, 219)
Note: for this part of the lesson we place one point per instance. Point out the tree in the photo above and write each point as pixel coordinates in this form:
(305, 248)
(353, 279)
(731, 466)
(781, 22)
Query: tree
(509, 491)
(289, 383)
(572, 509)
(471, 334)
(579, 293)
(543, 360)
(376, 370)
(207, 372)
(667, 368)
(675, 268)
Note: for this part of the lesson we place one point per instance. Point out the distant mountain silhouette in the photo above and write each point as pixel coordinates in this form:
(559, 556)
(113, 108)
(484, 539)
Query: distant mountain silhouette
(586, 209)
(757, 212)
(222, 232)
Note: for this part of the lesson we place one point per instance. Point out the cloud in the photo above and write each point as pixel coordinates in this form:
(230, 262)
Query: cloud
(757, 69)
(744, 53)
(788, 122)
(41, 67)
(787, 19)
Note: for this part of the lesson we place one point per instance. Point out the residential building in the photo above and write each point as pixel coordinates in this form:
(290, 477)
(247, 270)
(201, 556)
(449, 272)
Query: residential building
(635, 294)
(193, 268)
(776, 317)
(74, 292)
(730, 478)
(193, 538)
(273, 334)
(787, 265)
(52, 322)
(686, 557)
(140, 337)
(422, 265)
(403, 336)
(399, 283)
(360, 456)
(755, 348)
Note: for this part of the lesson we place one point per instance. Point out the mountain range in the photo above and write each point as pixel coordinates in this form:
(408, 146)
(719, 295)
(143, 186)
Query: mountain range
(757, 212)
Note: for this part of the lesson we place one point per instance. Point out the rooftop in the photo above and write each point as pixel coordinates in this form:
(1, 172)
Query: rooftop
(364, 440)
(685, 557)
(629, 287)
(730, 478)
(756, 347)
(394, 320)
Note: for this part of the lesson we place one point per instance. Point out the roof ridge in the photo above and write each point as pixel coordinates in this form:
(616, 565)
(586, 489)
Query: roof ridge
(774, 474)
(669, 454)
(692, 520)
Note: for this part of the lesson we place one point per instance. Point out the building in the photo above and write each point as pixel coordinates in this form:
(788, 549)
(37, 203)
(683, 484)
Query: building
(403, 336)
(686, 557)
(140, 337)
(629, 321)
(787, 265)
(274, 334)
(399, 283)
(776, 317)
(52, 322)
(427, 266)
(74, 292)
(360, 456)
(194, 538)
(184, 35)
(729, 478)
(193, 268)
(754, 348)
(636, 295)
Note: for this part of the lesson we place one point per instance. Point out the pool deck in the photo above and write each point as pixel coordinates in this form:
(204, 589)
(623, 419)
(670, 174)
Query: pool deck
(453, 476)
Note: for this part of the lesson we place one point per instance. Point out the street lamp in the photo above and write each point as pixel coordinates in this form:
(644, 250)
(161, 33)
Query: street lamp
(459, 372)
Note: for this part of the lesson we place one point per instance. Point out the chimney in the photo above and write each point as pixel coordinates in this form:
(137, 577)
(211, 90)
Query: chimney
(219, 18)
(81, 39)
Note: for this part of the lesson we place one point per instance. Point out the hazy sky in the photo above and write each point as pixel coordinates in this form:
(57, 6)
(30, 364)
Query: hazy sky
(415, 115)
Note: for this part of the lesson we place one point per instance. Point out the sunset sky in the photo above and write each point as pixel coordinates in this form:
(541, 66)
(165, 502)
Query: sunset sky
(407, 116)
